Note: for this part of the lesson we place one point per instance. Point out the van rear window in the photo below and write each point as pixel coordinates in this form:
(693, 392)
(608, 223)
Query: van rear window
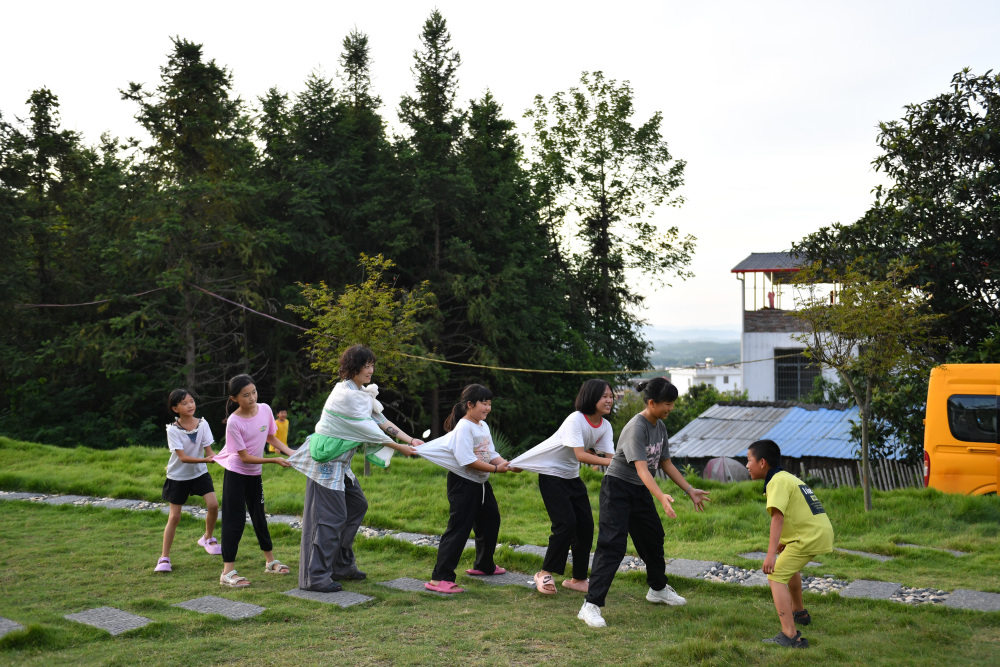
(973, 418)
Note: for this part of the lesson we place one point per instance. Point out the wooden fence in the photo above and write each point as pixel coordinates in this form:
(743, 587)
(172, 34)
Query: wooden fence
(887, 475)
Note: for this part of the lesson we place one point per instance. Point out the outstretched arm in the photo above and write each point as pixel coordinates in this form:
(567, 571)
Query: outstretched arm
(654, 488)
(698, 497)
(396, 433)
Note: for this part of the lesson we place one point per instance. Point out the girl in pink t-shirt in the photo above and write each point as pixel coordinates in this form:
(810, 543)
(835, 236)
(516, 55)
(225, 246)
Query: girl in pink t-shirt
(248, 428)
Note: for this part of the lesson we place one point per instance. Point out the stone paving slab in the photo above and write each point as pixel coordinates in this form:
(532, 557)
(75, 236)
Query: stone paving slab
(761, 555)
(341, 598)
(7, 625)
(962, 598)
(692, 569)
(532, 549)
(17, 495)
(756, 579)
(232, 609)
(506, 579)
(63, 500)
(872, 590)
(286, 519)
(116, 503)
(110, 619)
(865, 554)
(412, 538)
(953, 552)
(413, 585)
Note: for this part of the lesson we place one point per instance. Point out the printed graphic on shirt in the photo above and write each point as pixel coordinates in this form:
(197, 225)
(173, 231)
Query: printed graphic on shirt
(812, 500)
(653, 451)
(263, 428)
(481, 447)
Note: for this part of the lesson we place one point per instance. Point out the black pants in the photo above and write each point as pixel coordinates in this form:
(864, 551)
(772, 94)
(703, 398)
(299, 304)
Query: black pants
(568, 505)
(473, 508)
(330, 522)
(626, 509)
(242, 494)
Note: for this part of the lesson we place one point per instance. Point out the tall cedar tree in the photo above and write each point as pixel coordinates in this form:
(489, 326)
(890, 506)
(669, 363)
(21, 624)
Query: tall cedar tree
(201, 226)
(436, 189)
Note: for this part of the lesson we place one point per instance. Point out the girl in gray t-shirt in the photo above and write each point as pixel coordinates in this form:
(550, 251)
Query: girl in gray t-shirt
(627, 507)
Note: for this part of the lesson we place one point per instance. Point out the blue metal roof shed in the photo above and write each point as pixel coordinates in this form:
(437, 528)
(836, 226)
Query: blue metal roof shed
(727, 430)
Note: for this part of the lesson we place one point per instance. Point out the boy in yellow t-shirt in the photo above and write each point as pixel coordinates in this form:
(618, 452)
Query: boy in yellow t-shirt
(800, 529)
(281, 421)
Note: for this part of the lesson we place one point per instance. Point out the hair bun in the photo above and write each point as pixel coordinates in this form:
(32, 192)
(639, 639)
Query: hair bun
(642, 385)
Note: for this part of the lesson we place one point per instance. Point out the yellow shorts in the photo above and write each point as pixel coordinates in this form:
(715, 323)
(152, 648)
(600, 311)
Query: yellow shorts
(790, 561)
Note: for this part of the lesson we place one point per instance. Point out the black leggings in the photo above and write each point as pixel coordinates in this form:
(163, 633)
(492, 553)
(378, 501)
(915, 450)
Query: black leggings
(242, 494)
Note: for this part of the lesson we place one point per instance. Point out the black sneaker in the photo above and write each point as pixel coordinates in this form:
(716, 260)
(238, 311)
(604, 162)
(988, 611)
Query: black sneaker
(782, 640)
(332, 587)
(802, 617)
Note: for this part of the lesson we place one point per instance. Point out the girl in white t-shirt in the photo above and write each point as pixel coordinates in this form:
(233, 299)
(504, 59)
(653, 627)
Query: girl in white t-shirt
(190, 441)
(584, 437)
(468, 453)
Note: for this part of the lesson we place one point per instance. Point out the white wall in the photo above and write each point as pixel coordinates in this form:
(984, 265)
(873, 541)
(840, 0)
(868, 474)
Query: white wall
(758, 377)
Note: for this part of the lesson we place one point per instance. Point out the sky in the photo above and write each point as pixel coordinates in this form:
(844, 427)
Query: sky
(773, 105)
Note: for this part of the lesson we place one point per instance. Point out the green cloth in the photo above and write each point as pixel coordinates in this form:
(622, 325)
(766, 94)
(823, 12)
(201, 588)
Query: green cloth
(325, 448)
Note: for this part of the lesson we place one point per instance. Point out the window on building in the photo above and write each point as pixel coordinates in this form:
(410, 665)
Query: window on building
(725, 379)
(793, 374)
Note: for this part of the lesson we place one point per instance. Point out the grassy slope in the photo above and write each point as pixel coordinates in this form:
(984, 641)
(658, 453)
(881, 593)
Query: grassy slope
(410, 496)
(61, 560)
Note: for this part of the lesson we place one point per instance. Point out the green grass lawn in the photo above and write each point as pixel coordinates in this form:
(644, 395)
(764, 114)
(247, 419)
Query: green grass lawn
(410, 495)
(65, 559)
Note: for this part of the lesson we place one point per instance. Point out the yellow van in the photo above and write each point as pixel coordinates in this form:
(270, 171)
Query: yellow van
(960, 429)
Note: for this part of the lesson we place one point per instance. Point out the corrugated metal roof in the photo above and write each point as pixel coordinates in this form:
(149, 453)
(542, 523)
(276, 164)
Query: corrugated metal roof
(815, 433)
(769, 261)
(724, 430)
(727, 430)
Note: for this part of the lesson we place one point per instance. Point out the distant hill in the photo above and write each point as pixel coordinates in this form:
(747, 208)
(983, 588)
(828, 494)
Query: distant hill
(690, 352)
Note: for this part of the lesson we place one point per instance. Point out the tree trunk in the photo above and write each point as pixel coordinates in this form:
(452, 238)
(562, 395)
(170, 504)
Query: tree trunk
(190, 348)
(865, 462)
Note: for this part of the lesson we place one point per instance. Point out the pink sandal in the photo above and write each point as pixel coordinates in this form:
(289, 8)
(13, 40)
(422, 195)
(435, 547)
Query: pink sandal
(444, 587)
(480, 573)
(162, 565)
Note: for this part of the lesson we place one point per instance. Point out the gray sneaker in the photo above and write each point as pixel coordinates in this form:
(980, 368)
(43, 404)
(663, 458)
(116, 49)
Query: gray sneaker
(590, 614)
(667, 596)
(798, 641)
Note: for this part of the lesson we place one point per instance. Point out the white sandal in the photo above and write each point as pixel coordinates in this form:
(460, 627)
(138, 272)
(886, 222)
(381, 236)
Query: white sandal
(233, 579)
(274, 567)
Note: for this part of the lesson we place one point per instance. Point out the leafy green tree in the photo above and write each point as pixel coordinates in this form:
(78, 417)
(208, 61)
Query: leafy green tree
(374, 313)
(607, 176)
(875, 329)
(940, 213)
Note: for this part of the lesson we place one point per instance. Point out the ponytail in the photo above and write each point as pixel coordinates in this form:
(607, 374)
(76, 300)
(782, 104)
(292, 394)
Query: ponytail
(658, 390)
(472, 393)
(236, 385)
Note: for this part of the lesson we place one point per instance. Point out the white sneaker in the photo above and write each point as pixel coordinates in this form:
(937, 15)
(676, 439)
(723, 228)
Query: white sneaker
(590, 614)
(667, 596)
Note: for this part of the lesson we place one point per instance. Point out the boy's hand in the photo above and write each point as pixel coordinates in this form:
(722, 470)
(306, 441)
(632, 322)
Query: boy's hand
(416, 442)
(768, 566)
(668, 509)
(282, 462)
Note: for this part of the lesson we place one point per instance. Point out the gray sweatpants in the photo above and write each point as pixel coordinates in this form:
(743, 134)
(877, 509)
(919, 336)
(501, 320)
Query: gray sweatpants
(330, 522)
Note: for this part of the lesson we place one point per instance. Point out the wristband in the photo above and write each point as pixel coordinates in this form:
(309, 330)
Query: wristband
(495, 468)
